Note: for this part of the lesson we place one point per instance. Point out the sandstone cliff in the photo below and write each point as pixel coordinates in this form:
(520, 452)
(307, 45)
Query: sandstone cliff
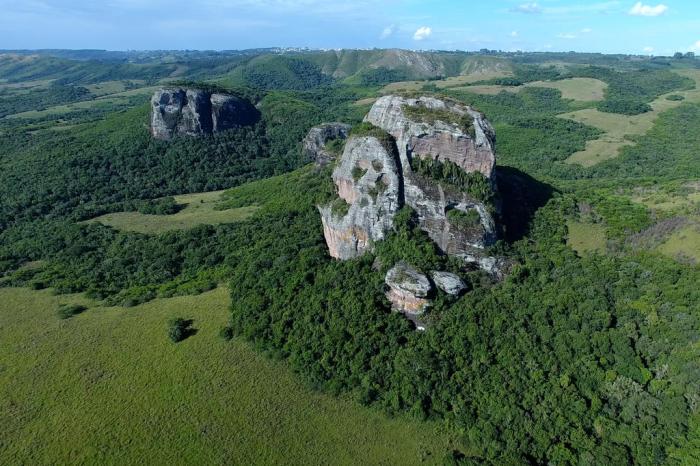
(314, 145)
(197, 112)
(423, 131)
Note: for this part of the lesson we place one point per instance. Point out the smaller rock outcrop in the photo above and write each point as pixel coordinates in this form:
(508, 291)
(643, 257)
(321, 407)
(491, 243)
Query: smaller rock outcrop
(197, 112)
(408, 289)
(369, 188)
(314, 146)
(448, 282)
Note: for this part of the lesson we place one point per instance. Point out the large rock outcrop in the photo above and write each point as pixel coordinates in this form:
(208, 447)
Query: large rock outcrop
(424, 129)
(369, 195)
(197, 112)
(314, 145)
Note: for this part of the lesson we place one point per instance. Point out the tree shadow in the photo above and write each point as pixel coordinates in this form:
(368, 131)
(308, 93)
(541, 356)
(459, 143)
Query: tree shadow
(522, 195)
(188, 330)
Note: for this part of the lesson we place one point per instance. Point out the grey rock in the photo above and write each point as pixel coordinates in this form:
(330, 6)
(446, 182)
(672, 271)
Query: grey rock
(314, 144)
(408, 289)
(448, 282)
(441, 141)
(196, 112)
(367, 178)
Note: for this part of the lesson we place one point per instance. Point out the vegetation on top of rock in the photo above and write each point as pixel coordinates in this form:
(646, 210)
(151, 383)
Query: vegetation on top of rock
(423, 114)
(452, 175)
(468, 219)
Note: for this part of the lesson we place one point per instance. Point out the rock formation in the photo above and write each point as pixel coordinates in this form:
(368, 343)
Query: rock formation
(314, 144)
(448, 282)
(369, 195)
(425, 129)
(197, 112)
(408, 289)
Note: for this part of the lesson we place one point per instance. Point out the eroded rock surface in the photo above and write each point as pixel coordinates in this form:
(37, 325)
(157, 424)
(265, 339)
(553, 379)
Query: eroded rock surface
(314, 144)
(408, 289)
(368, 182)
(470, 148)
(448, 282)
(197, 112)
(460, 220)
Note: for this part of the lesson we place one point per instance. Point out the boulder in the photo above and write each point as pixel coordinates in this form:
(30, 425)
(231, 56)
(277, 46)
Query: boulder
(408, 289)
(314, 144)
(369, 195)
(448, 282)
(197, 112)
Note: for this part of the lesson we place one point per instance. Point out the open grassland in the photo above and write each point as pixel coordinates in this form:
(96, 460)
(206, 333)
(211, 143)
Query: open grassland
(581, 89)
(586, 237)
(199, 209)
(618, 127)
(667, 201)
(108, 387)
(683, 244)
(111, 87)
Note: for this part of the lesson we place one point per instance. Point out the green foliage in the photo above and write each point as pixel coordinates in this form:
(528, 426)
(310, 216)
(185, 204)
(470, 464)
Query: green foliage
(624, 107)
(69, 310)
(466, 220)
(382, 75)
(279, 72)
(226, 333)
(675, 97)
(667, 151)
(42, 98)
(339, 207)
(358, 172)
(453, 176)
(179, 329)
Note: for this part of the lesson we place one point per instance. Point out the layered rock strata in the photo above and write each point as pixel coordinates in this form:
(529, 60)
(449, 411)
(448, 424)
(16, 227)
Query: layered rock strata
(408, 289)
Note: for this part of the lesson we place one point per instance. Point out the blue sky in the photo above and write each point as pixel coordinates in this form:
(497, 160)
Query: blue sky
(626, 26)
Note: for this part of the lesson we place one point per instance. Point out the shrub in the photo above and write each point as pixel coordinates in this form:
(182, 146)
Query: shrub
(179, 329)
(226, 333)
(69, 310)
(675, 97)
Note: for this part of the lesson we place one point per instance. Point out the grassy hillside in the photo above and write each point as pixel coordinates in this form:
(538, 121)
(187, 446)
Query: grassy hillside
(108, 386)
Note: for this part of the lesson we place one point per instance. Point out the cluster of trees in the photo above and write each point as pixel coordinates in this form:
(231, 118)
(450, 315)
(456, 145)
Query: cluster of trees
(382, 75)
(40, 99)
(453, 176)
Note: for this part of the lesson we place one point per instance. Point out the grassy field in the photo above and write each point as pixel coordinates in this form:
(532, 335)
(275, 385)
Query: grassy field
(108, 387)
(684, 244)
(199, 209)
(618, 127)
(581, 89)
(586, 237)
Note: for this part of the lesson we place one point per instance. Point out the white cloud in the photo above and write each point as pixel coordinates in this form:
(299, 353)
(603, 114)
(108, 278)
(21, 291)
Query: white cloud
(567, 35)
(387, 31)
(422, 33)
(647, 10)
(648, 49)
(528, 8)
(514, 34)
(586, 30)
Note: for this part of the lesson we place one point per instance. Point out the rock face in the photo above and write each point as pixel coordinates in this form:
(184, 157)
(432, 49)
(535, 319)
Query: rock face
(408, 289)
(196, 112)
(424, 129)
(369, 188)
(448, 282)
(314, 144)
